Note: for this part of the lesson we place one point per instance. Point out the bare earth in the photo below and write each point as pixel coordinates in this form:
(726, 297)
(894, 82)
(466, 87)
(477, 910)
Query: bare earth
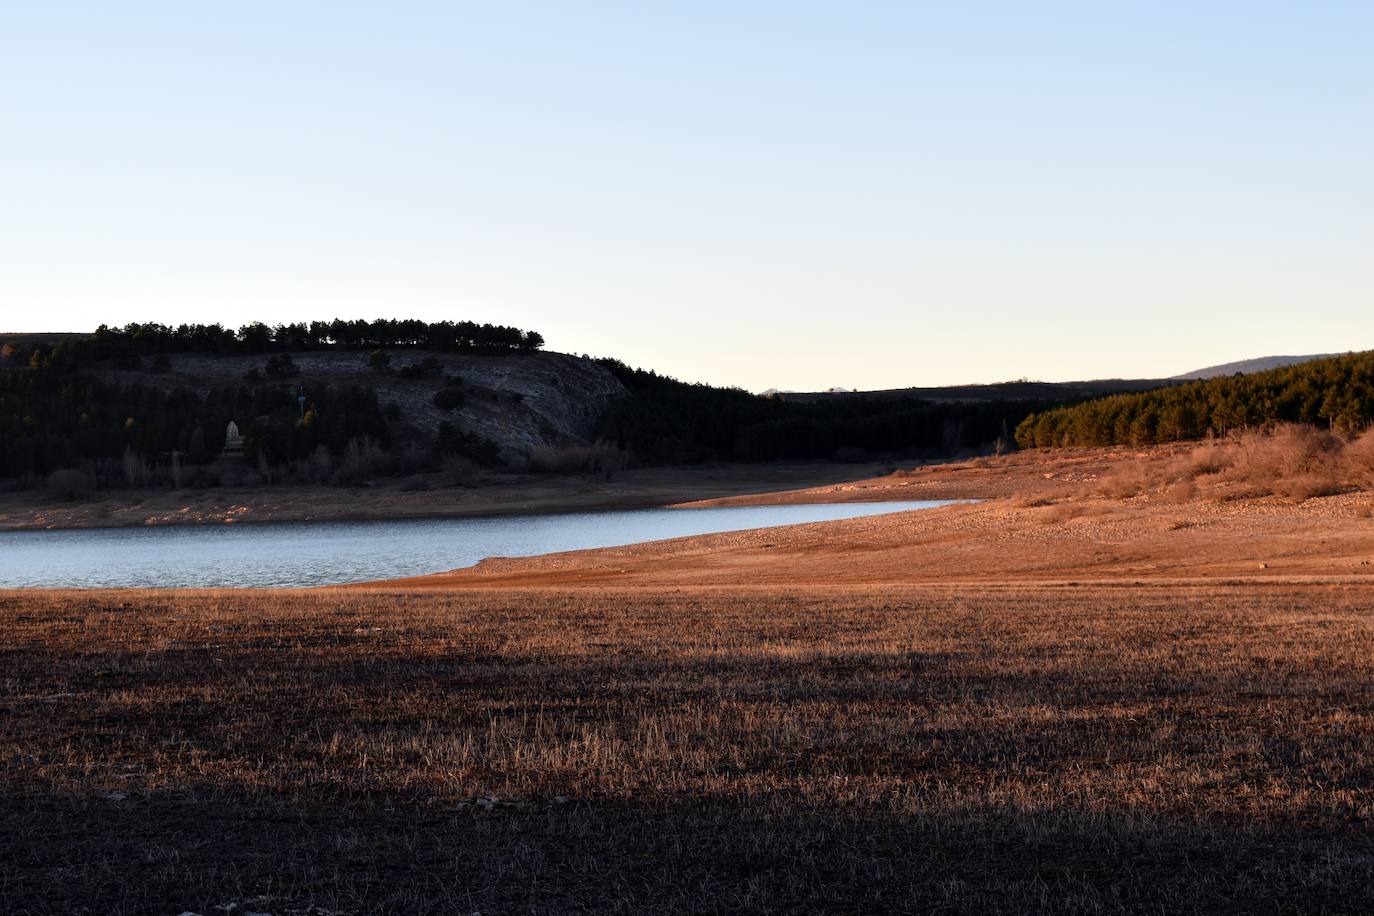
(1057, 700)
(1039, 523)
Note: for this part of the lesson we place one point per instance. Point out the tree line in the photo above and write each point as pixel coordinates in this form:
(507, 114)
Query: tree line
(1337, 393)
(136, 340)
(50, 421)
(666, 421)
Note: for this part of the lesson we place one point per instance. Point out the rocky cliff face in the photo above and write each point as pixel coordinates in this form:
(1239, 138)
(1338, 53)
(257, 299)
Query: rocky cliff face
(521, 401)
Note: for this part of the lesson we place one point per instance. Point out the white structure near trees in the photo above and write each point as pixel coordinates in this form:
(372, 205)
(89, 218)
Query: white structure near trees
(233, 442)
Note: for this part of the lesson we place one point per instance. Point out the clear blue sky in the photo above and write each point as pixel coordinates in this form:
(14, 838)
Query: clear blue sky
(764, 194)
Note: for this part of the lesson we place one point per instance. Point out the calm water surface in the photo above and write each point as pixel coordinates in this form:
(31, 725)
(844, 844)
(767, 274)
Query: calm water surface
(328, 553)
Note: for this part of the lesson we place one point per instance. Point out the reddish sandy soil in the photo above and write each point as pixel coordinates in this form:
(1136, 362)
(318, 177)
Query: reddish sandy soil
(1039, 522)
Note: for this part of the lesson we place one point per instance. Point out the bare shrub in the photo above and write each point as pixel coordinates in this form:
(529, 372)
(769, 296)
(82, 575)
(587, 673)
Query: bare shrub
(1307, 486)
(1289, 450)
(1181, 491)
(1357, 459)
(238, 475)
(135, 468)
(69, 484)
(1291, 460)
(321, 463)
(600, 457)
(459, 471)
(1207, 460)
(1060, 513)
(848, 454)
(362, 460)
(1124, 482)
(266, 469)
(553, 459)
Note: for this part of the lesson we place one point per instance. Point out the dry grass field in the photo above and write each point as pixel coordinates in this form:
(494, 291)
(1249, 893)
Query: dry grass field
(1090, 749)
(1125, 682)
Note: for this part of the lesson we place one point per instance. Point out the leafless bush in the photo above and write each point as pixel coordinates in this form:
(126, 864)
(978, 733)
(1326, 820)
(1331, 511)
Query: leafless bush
(1031, 500)
(1060, 512)
(1181, 491)
(317, 467)
(1358, 459)
(266, 469)
(1290, 460)
(459, 471)
(1287, 450)
(416, 483)
(1307, 486)
(135, 468)
(234, 474)
(600, 457)
(362, 460)
(848, 454)
(69, 483)
(1132, 479)
(1205, 461)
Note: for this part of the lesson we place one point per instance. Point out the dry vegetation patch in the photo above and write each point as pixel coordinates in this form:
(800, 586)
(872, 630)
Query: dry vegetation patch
(998, 749)
(1292, 461)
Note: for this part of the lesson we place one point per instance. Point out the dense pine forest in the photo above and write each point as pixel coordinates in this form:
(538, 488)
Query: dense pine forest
(117, 434)
(669, 422)
(1336, 393)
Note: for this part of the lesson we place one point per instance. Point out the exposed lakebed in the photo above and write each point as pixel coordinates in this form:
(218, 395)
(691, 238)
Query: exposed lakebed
(330, 553)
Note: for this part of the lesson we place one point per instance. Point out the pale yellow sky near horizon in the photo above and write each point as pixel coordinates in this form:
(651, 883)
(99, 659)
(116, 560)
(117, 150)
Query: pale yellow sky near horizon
(763, 196)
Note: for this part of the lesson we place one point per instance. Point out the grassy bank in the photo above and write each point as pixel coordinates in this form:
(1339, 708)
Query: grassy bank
(993, 749)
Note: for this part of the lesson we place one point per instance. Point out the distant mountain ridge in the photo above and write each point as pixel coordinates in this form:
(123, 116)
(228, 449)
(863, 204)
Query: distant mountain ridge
(1020, 390)
(1259, 364)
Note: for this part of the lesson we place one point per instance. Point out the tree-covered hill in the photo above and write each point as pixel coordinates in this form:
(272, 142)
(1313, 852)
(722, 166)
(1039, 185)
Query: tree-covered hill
(344, 401)
(339, 401)
(1337, 393)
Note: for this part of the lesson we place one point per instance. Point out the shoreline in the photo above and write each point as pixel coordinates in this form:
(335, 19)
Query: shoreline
(1039, 518)
(1025, 518)
(511, 495)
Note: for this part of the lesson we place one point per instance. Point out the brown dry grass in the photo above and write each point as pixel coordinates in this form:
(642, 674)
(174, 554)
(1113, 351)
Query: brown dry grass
(731, 732)
(1291, 461)
(972, 749)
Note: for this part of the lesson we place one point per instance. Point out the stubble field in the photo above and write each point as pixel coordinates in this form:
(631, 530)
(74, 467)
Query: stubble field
(961, 748)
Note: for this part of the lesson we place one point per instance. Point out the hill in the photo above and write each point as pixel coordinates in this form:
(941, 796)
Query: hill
(348, 402)
(1335, 392)
(326, 402)
(1018, 390)
(1259, 364)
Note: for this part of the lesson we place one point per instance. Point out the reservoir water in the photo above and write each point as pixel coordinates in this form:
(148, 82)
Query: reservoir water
(274, 555)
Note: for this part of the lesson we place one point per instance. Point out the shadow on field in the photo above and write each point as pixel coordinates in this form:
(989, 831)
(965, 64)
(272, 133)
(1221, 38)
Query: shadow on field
(1071, 751)
(162, 854)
